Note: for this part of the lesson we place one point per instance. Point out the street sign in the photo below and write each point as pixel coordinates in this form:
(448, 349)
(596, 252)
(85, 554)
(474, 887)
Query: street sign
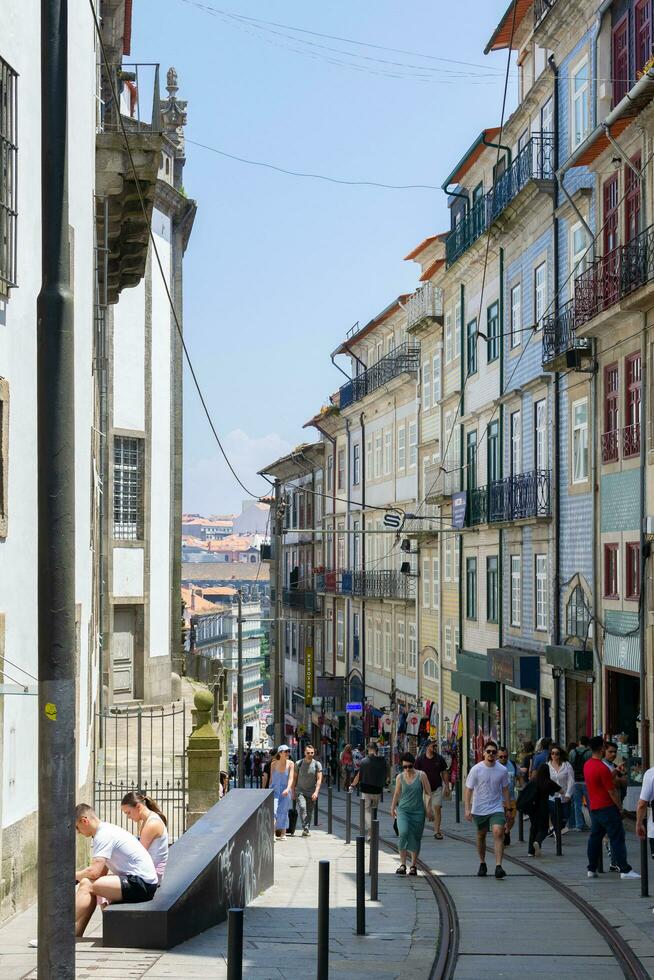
(393, 519)
(459, 501)
(353, 707)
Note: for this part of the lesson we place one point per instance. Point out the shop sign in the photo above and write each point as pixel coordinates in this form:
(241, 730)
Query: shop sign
(329, 687)
(502, 667)
(459, 509)
(354, 707)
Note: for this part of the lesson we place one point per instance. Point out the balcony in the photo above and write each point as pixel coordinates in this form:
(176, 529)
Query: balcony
(631, 440)
(477, 512)
(541, 10)
(561, 346)
(334, 582)
(300, 599)
(610, 443)
(534, 162)
(614, 276)
(384, 584)
(442, 480)
(516, 498)
(404, 359)
(424, 305)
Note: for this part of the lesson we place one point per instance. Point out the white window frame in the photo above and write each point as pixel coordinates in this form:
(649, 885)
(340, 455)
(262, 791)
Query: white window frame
(356, 464)
(457, 556)
(388, 452)
(436, 379)
(540, 591)
(448, 338)
(426, 386)
(413, 646)
(436, 583)
(413, 444)
(378, 454)
(448, 643)
(369, 458)
(516, 315)
(540, 431)
(401, 644)
(515, 613)
(458, 317)
(540, 293)
(401, 447)
(579, 431)
(447, 558)
(516, 442)
(388, 644)
(578, 256)
(340, 634)
(428, 674)
(426, 583)
(579, 97)
(378, 644)
(370, 642)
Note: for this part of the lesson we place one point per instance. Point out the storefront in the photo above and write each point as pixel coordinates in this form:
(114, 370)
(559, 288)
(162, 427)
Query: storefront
(573, 668)
(480, 701)
(518, 673)
(622, 687)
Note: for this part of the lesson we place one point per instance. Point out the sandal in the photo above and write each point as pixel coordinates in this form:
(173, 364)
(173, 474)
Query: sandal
(401, 870)
(438, 836)
(413, 870)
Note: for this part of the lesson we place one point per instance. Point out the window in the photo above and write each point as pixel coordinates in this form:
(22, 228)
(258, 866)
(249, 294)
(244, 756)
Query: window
(341, 470)
(632, 570)
(356, 546)
(458, 317)
(492, 593)
(580, 441)
(578, 246)
(387, 645)
(388, 451)
(540, 293)
(471, 347)
(369, 642)
(318, 501)
(546, 114)
(471, 588)
(378, 643)
(448, 338)
(8, 177)
(129, 464)
(426, 386)
(413, 646)
(447, 558)
(471, 460)
(493, 451)
(401, 448)
(541, 592)
(540, 434)
(448, 643)
(457, 640)
(457, 556)
(493, 332)
(401, 651)
(516, 443)
(436, 366)
(632, 200)
(430, 669)
(611, 205)
(356, 464)
(426, 583)
(580, 103)
(611, 414)
(516, 589)
(378, 454)
(643, 34)
(369, 458)
(516, 315)
(436, 582)
(611, 571)
(620, 67)
(330, 473)
(4, 455)
(340, 635)
(413, 443)
(577, 615)
(631, 443)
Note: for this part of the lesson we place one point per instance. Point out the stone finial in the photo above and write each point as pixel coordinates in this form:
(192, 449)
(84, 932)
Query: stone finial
(203, 701)
(174, 116)
(171, 82)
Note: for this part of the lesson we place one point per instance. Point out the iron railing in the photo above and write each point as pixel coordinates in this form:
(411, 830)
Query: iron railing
(535, 161)
(477, 507)
(300, 599)
(384, 584)
(631, 440)
(559, 334)
(403, 359)
(137, 89)
(610, 445)
(513, 499)
(426, 302)
(613, 276)
(8, 177)
(541, 10)
(336, 582)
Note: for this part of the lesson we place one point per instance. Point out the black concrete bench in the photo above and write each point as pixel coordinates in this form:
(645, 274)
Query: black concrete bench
(223, 861)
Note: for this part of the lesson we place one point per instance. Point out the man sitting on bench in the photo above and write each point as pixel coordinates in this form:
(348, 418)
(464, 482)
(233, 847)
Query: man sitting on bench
(121, 870)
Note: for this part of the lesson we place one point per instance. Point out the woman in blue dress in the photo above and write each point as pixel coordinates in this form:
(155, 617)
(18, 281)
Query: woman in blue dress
(281, 772)
(411, 803)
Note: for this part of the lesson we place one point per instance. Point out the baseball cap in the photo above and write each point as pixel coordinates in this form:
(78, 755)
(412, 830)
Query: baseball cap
(283, 748)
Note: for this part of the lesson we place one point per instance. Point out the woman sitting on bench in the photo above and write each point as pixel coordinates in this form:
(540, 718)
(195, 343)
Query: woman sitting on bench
(151, 827)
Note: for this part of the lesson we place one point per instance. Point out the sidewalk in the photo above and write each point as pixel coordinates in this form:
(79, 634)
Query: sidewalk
(280, 928)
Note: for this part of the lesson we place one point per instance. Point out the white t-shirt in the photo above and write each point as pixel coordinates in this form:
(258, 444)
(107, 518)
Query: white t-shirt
(123, 853)
(647, 794)
(487, 783)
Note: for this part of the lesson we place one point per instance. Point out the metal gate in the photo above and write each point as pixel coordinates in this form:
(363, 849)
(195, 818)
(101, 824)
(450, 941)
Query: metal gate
(142, 749)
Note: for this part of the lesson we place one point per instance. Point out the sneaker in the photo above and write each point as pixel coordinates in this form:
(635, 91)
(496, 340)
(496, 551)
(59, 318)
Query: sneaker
(629, 874)
(500, 872)
(592, 874)
(565, 830)
(614, 867)
(401, 870)
(537, 848)
(305, 833)
(575, 830)
(483, 870)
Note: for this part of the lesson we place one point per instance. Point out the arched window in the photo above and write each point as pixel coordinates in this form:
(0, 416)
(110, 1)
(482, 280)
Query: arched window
(577, 614)
(430, 669)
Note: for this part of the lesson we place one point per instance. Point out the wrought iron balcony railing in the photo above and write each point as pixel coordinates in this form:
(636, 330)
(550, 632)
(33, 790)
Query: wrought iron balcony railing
(477, 512)
(614, 276)
(425, 303)
(631, 440)
(559, 334)
(384, 584)
(610, 445)
(535, 161)
(335, 582)
(404, 359)
(541, 10)
(515, 498)
(300, 599)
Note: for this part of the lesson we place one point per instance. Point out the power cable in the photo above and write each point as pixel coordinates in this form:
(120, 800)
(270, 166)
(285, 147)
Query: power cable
(155, 250)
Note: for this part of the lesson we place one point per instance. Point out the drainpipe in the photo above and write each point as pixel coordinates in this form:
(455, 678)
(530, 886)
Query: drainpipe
(332, 440)
(464, 197)
(639, 174)
(362, 423)
(644, 545)
(348, 551)
(499, 146)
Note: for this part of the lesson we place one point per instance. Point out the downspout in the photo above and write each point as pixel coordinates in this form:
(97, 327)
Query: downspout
(499, 146)
(500, 550)
(332, 440)
(644, 545)
(461, 471)
(348, 551)
(464, 197)
(363, 567)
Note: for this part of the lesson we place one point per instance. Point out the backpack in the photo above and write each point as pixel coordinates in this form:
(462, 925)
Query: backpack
(527, 797)
(578, 758)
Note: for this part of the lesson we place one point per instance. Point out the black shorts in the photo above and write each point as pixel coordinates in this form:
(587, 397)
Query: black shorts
(134, 889)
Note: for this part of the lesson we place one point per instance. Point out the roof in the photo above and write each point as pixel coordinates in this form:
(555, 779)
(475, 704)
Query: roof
(207, 521)
(192, 542)
(364, 331)
(501, 36)
(297, 463)
(223, 571)
(194, 601)
(220, 590)
(421, 247)
(233, 542)
(431, 269)
(471, 156)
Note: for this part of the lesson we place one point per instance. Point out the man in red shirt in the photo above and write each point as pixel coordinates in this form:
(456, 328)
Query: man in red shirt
(605, 813)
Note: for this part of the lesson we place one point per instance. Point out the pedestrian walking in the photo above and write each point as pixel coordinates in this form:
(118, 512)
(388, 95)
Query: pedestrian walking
(357, 758)
(525, 761)
(644, 820)
(562, 773)
(605, 813)
(435, 767)
(371, 778)
(347, 766)
(411, 803)
(617, 770)
(257, 769)
(536, 803)
(486, 801)
(247, 766)
(307, 779)
(281, 782)
(515, 777)
(578, 758)
(151, 827)
(541, 755)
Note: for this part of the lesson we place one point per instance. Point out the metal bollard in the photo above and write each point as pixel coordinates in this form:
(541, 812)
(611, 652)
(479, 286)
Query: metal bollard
(374, 860)
(361, 885)
(521, 826)
(348, 818)
(558, 821)
(329, 810)
(644, 867)
(315, 813)
(600, 863)
(323, 920)
(457, 802)
(373, 813)
(235, 944)
(362, 816)
(338, 779)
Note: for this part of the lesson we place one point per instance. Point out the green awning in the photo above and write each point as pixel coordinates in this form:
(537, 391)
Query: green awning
(473, 687)
(569, 658)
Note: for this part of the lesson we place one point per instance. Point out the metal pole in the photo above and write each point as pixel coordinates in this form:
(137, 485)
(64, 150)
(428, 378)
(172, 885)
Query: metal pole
(362, 816)
(558, 822)
(457, 801)
(239, 695)
(600, 863)
(315, 813)
(348, 818)
(278, 684)
(329, 809)
(323, 920)
(521, 826)
(361, 886)
(374, 860)
(235, 944)
(644, 868)
(56, 519)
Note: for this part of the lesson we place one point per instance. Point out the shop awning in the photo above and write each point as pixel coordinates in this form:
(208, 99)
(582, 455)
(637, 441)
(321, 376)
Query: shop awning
(569, 658)
(516, 667)
(622, 652)
(471, 677)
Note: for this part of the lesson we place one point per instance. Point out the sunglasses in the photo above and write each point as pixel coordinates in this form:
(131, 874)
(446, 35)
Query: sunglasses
(490, 752)
(407, 767)
(556, 753)
(503, 758)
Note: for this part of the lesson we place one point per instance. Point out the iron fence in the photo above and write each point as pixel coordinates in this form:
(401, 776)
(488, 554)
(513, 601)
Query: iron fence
(477, 506)
(559, 334)
(427, 301)
(383, 584)
(405, 358)
(142, 749)
(610, 445)
(541, 9)
(615, 275)
(631, 440)
(137, 89)
(514, 498)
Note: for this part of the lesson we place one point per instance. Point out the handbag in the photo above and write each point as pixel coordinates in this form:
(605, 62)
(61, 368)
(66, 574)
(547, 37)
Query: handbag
(397, 832)
(527, 797)
(292, 820)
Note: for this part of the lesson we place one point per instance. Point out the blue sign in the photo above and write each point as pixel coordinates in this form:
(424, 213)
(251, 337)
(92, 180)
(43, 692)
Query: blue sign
(459, 501)
(354, 706)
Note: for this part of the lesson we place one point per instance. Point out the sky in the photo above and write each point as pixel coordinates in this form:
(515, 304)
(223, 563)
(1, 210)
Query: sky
(279, 267)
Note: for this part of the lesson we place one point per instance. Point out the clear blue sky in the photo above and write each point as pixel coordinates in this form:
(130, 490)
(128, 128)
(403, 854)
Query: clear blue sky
(279, 267)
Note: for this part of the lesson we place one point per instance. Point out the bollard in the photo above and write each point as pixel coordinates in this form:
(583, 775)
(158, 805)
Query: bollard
(235, 944)
(373, 813)
(361, 885)
(644, 867)
(348, 818)
(374, 860)
(521, 826)
(600, 863)
(338, 779)
(457, 802)
(315, 813)
(323, 920)
(558, 821)
(329, 809)
(362, 817)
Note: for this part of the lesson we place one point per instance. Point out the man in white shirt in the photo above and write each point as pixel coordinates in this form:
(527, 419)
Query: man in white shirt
(121, 870)
(487, 802)
(644, 820)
